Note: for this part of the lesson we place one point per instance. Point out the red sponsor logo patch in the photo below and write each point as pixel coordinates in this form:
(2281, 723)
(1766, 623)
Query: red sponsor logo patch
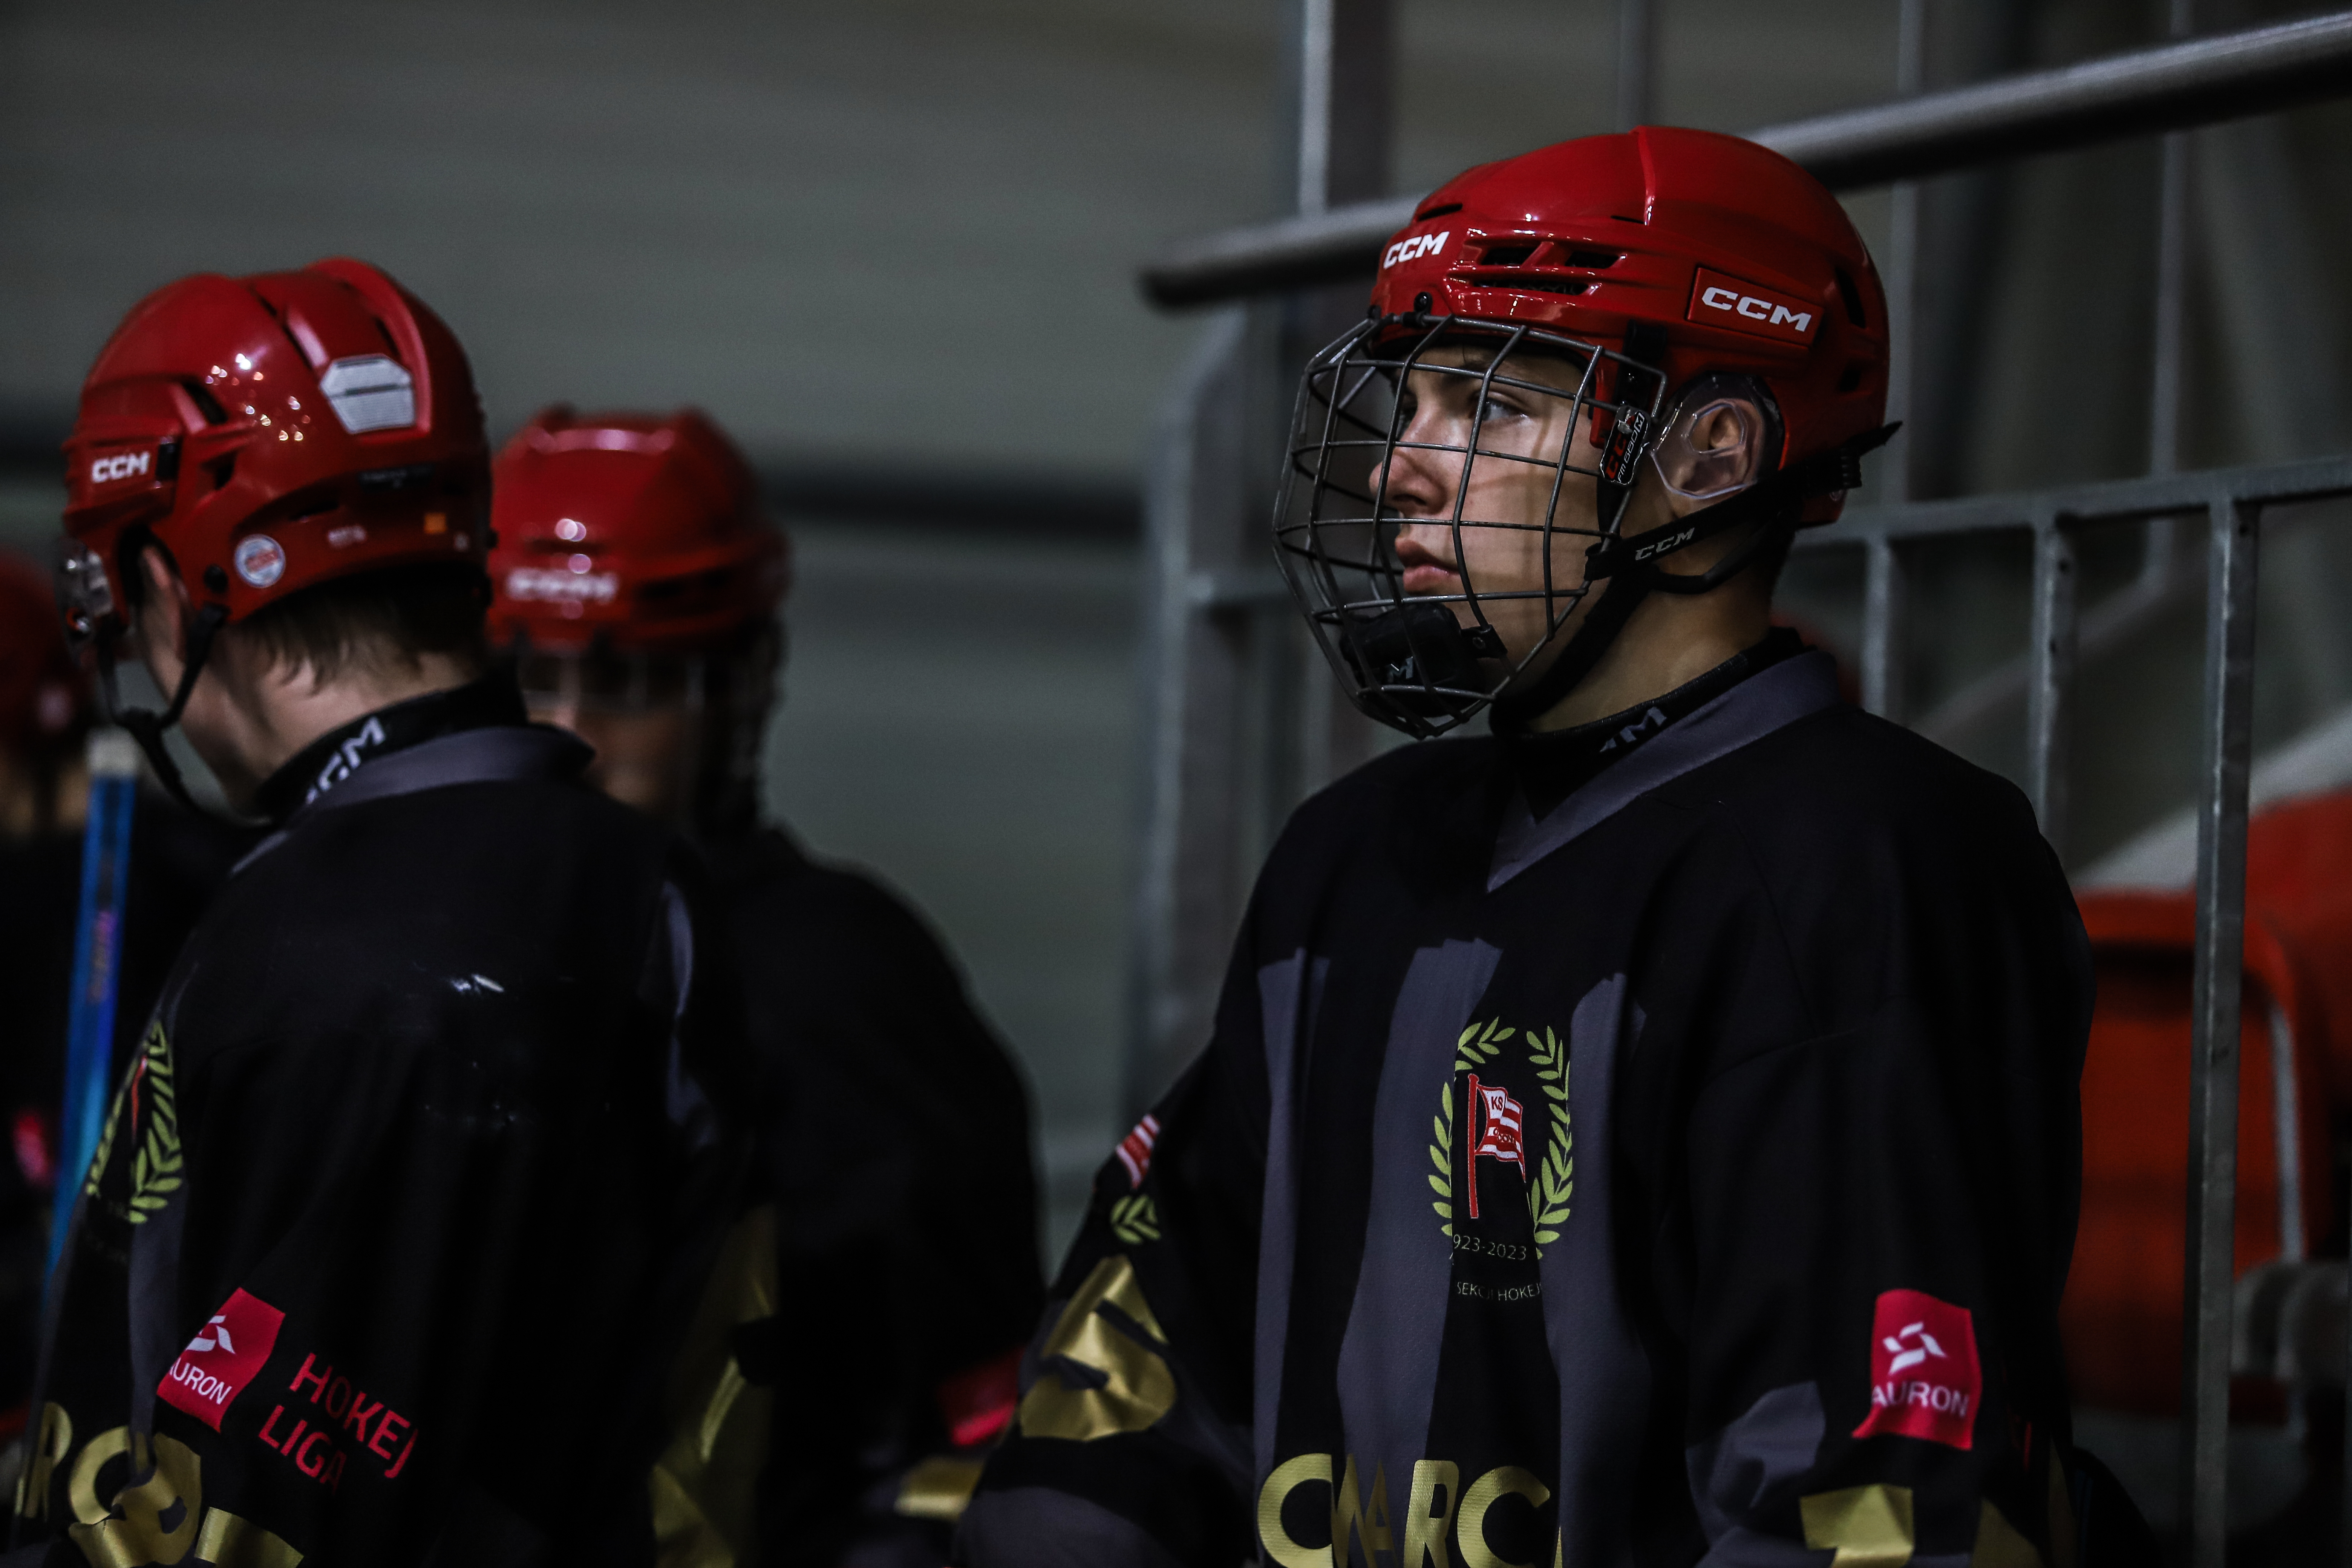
(1924, 1380)
(1722, 301)
(225, 1356)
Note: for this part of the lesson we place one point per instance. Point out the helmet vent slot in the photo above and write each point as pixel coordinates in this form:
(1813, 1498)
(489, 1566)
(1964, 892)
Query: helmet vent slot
(1439, 211)
(1852, 298)
(1529, 282)
(1850, 378)
(1510, 255)
(207, 403)
(1595, 259)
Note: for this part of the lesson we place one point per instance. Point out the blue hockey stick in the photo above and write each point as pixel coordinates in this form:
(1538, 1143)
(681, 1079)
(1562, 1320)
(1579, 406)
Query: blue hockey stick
(98, 955)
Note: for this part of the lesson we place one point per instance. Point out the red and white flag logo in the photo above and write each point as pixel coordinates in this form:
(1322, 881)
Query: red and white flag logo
(228, 1353)
(1498, 1133)
(1135, 1150)
(1924, 1379)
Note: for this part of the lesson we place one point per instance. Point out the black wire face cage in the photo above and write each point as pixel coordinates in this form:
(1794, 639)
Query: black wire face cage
(730, 690)
(609, 681)
(1426, 663)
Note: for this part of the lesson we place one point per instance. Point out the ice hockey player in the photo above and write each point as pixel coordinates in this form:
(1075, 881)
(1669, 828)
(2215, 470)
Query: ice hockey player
(400, 1219)
(637, 582)
(1647, 1135)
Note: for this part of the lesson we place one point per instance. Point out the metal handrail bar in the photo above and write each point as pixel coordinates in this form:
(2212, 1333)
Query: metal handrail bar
(2102, 500)
(2171, 87)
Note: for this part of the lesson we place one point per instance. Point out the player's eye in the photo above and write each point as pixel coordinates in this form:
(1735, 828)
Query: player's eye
(1495, 406)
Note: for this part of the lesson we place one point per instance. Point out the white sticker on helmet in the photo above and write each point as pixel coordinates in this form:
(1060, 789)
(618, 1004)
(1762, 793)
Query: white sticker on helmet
(370, 393)
(557, 587)
(260, 560)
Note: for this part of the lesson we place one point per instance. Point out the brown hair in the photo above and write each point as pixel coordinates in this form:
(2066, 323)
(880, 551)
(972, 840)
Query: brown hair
(398, 614)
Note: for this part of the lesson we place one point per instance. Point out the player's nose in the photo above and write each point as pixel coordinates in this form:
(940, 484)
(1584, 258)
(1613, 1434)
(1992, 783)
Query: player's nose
(1409, 478)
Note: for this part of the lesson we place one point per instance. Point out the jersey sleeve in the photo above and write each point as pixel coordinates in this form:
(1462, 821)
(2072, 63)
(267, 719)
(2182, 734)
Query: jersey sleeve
(1880, 1162)
(1131, 1447)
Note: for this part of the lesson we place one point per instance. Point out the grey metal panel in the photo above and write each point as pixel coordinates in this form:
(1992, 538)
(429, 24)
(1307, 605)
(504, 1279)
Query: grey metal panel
(2228, 700)
(1186, 902)
(1882, 628)
(2197, 81)
(1637, 63)
(1243, 719)
(2051, 682)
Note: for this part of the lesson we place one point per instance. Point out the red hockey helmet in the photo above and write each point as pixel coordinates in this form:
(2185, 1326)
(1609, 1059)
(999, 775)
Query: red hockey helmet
(1646, 264)
(273, 432)
(638, 533)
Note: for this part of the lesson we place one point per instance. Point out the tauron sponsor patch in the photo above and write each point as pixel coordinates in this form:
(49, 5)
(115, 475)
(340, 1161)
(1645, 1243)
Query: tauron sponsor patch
(225, 1356)
(1721, 301)
(1924, 1379)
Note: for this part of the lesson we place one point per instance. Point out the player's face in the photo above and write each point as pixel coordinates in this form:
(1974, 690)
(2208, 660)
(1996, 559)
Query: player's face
(643, 713)
(1503, 546)
(645, 757)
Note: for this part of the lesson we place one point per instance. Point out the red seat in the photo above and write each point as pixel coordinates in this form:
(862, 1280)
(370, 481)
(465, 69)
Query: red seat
(2122, 1312)
(2299, 876)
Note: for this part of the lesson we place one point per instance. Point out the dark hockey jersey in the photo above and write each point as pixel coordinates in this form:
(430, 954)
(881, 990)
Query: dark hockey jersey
(391, 1244)
(1683, 1171)
(894, 1140)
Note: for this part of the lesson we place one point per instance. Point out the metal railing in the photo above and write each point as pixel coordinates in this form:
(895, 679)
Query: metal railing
(1226, 684)
(2197, 81)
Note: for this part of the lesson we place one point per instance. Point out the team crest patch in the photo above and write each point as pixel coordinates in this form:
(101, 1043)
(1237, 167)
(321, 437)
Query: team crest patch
(1923, 1378)
(145, 1111)
(1536, 1144)
(1134, 1151)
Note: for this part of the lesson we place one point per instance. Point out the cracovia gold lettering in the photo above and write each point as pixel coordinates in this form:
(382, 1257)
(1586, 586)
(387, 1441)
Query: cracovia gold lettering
(1287, 1478)
(1370, 1522)
(1428, 1512)
(1441, 1516)
(1485, 1493)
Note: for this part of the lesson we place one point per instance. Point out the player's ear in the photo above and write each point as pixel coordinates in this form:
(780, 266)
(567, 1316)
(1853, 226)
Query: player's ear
(1715, 447)
(160, 607)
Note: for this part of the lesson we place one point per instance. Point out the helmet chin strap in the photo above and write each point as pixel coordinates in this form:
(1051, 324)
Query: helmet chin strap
(1631, 565)
(1620, 598)
(146, 725)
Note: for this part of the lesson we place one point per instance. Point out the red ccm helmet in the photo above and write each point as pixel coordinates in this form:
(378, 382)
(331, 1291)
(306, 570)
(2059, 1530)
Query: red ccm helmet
(632, 534)
(1649, 274)
(272, 433)
(636, 569)
(44, 696)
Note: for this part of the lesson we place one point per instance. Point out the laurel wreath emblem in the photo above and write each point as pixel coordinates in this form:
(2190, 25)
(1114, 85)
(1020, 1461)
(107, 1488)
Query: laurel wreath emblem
(155, 1164)
(1552, 1184)
(1135, 1219)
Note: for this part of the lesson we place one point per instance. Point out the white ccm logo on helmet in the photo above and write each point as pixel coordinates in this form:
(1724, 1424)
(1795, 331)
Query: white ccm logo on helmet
(1734, 302)
(1418, 245)
(121, 466)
